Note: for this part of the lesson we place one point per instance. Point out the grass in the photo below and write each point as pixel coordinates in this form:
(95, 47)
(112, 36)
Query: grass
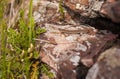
(3, 35)
(61, 10)
(18, 57)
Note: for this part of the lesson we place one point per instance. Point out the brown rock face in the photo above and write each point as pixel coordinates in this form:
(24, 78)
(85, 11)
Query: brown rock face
(70, 48)
(95, 8)
(66, 46)
(88, 8)
(112, 10)
(108, 66)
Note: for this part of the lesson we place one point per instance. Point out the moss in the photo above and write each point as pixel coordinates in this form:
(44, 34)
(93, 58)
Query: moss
(61, 10)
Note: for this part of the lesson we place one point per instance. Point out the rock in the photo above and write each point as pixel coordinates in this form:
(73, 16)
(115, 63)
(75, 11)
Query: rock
(107, 66)
(89, 8)
(95, 8)
(46, 11)
(67, 45)
(111, 9)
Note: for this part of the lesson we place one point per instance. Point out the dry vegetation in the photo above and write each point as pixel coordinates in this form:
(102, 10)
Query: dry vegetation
(19, 56)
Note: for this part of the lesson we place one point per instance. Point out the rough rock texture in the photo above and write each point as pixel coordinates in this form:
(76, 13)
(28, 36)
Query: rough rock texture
(65, 46)
(107, 66)
(112, 10)
(49, 11)
(95, 8)
(89, 8)
(68, 46)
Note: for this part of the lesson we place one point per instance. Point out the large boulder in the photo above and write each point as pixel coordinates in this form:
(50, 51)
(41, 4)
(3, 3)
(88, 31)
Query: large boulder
(65, 46)
(89, 8)
(68, 46)
(107, 66)
(112, 10)
(95, 8)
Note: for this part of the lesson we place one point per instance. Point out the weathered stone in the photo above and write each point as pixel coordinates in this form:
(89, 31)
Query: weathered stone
(46, 11)
(96, 8)
(89, 8)
(112, 10)
(68, 45)
(107, 66)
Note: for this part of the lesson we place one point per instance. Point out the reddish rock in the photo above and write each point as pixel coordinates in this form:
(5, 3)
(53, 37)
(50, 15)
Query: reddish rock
(68, 44)
(71, 45)
(95, 8)
(107, 66)
(88, 8)
(111, 9)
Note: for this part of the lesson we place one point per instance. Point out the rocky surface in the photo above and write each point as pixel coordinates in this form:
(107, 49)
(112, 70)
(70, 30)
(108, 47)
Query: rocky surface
(95, 8)
(112, 10)
(89, 8)
(69, 46)
(65, 46)
(107, 66)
